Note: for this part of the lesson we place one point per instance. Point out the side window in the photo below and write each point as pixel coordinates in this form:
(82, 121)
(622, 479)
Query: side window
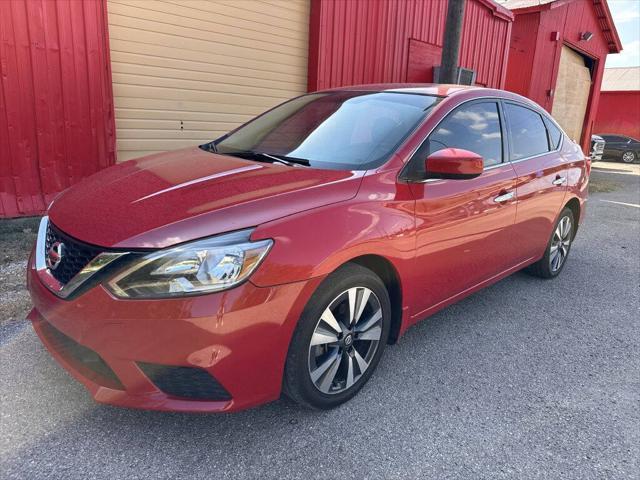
(555, 135)
(475, 127)
(527, 131)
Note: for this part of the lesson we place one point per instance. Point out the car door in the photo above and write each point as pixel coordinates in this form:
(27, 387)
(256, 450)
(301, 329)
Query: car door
(464, 227)
(535, 146)
(614, 145)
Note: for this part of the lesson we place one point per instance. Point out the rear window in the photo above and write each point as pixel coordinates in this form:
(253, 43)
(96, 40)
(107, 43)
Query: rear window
(527, 131)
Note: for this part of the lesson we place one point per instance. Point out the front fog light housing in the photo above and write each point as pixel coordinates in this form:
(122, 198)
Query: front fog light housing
(199, 267)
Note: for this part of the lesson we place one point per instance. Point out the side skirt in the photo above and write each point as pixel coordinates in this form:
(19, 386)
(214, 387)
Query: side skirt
(423, 315)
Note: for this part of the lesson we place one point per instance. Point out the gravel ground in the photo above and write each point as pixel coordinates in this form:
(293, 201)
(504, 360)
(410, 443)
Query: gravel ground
(527, 379)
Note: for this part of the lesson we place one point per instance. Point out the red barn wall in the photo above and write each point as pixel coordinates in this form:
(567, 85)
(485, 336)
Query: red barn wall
(56, 108)
(363, 41)
(524, 36)
(533, 65)
(619, 112)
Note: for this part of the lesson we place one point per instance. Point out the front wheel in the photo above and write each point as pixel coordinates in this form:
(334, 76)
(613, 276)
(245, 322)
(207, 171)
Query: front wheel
(339, 339)
(555, 257)
(629, 157)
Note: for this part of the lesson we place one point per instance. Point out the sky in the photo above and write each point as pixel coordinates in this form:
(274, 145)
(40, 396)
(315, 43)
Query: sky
(626, 15)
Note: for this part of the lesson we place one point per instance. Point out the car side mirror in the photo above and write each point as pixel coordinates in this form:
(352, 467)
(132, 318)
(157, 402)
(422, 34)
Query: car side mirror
(454, 163)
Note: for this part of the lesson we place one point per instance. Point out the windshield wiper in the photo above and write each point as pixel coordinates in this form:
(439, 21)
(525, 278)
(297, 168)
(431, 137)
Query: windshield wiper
(209, 147)
(285, 160)
(291, 161)
(212, 145)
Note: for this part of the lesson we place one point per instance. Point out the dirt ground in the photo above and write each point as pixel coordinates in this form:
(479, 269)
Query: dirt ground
(16, 239)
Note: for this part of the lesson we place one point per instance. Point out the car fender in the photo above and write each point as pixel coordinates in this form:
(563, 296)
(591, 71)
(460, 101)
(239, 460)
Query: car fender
(379, 220)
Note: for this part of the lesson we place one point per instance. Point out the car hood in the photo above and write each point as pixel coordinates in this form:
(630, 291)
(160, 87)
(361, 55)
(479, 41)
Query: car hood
(173, 197)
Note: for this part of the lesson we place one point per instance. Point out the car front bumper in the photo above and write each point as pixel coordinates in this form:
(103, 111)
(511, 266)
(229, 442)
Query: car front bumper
(221, 352)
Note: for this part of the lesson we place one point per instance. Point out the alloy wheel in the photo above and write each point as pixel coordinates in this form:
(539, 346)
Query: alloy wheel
(628, 157)
(345, 340)
(560, 244)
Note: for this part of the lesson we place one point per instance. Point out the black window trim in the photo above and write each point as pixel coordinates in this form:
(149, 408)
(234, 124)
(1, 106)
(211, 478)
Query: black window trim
(506, 146)
(547, 122)
(545, 117)
(405, 177)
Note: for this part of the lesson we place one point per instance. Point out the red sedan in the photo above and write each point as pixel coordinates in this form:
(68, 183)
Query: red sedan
(285, 255)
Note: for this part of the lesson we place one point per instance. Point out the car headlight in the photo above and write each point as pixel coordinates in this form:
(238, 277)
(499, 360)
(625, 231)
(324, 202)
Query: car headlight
(203, 266)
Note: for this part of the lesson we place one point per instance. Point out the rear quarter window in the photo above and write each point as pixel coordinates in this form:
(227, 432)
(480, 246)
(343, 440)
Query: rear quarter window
(555, 134)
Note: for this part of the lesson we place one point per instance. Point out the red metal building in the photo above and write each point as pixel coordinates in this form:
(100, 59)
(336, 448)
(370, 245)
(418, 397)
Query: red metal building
(56, 106)
(557, 55)
(363, 41)
(57, 87)
(619, 106)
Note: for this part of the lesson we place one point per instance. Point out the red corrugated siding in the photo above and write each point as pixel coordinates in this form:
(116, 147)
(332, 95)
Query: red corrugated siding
(541, 57)
(363, 41)
(56, 106)
(524, 35)
(485, 44)
(619, 112)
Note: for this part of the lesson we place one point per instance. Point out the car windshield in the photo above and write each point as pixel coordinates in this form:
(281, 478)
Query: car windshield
(345, 130)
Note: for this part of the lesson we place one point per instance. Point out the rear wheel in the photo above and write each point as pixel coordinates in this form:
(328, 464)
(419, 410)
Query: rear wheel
(555, 257)
(339, 339)
(629, 157)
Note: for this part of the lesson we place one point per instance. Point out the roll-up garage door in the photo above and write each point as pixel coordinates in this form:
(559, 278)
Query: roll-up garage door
(188, 71)
(573, 87)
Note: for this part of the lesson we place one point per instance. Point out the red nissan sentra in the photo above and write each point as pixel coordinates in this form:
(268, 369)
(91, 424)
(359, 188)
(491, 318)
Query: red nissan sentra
(284, 256)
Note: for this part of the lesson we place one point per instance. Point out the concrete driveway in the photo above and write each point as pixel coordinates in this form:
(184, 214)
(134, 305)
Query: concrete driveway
(527, 379)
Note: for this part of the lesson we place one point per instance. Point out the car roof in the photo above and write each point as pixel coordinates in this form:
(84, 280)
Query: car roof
(470, 92)
(437, 89)
(621, 135)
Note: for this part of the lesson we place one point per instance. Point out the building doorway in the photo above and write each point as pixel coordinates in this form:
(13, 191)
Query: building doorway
(573, 88)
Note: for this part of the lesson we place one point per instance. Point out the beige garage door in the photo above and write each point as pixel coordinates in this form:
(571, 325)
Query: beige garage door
(572, 93)
(188, 71)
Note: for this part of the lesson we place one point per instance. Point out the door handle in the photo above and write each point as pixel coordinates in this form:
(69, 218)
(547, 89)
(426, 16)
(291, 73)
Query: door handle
(560, 180)
(505, 197)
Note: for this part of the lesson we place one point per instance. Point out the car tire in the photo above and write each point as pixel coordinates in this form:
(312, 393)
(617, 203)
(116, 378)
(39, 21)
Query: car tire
(629, 157)
(322, 339)
(558, 247)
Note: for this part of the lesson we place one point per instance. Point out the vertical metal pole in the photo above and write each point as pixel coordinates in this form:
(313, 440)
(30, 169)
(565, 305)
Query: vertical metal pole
(452, 38)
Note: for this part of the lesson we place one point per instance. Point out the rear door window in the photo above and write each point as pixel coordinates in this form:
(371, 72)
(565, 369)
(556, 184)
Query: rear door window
(527, 131)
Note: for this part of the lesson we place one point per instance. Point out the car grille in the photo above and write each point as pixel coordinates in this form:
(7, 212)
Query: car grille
(83, 359)
(185, 382)
(76, 255)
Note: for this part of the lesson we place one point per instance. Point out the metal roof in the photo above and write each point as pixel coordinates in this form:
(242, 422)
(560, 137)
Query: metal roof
(601, 7)
(623, 78)
(515, 4)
